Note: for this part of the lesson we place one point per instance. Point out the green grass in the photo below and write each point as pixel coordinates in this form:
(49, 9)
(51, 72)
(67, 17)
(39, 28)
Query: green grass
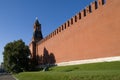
(95, 71)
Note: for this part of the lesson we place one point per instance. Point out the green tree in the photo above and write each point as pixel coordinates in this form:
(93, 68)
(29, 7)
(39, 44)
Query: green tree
(16, 56)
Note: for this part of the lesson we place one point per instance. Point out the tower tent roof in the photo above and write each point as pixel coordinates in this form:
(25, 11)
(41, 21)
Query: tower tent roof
(37, 22)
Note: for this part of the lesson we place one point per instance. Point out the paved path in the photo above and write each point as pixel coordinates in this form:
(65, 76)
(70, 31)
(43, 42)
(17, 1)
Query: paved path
(6, 77)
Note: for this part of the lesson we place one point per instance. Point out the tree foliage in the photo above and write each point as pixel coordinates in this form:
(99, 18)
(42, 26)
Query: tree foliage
(16, 56)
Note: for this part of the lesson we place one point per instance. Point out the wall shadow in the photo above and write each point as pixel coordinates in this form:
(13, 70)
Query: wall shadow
(46, 58)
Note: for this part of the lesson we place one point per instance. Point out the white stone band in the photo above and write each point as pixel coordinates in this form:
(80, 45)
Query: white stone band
(106, 59)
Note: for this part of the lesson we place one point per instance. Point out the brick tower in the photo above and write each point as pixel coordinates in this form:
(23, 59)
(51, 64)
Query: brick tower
(37, 36)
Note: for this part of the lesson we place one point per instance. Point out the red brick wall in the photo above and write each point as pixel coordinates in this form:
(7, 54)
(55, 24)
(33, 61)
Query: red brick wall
(95, 35)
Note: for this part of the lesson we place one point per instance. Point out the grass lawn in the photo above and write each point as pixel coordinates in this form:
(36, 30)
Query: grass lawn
(95, 71)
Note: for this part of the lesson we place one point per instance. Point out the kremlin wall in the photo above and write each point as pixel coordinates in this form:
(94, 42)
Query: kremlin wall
(92, 35)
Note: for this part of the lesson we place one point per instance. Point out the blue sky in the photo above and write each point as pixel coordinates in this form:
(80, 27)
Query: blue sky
(18, 16)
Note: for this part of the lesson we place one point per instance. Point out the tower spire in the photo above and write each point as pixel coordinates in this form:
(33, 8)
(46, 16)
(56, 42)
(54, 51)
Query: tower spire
(37, 34)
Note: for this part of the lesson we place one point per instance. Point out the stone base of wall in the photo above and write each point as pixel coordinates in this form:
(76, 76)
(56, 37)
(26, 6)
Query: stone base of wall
(106, 59)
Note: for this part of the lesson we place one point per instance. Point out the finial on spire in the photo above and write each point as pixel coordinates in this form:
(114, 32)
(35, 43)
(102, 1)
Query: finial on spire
(36, 18)
(36, 21)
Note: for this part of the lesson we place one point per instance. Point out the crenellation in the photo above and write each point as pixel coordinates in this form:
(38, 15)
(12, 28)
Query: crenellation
(45, 38)
(55, 32)
(76, 44)
(93, 6)
(96, 4)
(75, 18)
(68, 23)
(101, 2)
(65, 25)
(79, 15)
(62, 27)
(59, 29)
(52, 34)
(49, 36)
(83, 13)
(87, 10)
(90, 9)
(71, 21)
